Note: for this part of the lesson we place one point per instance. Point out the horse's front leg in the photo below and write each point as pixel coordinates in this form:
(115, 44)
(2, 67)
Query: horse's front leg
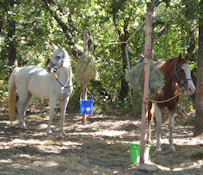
(52, 104)
(171, 126)
(63, 107)
(158, 127)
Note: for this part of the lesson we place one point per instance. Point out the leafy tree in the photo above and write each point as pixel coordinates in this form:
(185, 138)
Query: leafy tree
(39, 25)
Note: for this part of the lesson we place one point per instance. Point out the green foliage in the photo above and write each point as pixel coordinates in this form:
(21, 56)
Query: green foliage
(3, 91)
(185, 109)
(37, 32)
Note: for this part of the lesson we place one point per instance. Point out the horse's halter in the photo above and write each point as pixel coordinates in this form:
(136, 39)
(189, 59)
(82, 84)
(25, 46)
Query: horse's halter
(58, 65)
(181, 81)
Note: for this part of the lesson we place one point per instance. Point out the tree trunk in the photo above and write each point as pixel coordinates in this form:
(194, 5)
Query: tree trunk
(12, 58)
(123, 36)
(124, 85)
(199, 92)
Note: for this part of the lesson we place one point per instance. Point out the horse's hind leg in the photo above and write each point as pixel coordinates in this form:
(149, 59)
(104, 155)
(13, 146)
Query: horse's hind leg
(23, 100)
(52, 104)
(63, 106)
(27, 102)
(158, 127)
(171, 126)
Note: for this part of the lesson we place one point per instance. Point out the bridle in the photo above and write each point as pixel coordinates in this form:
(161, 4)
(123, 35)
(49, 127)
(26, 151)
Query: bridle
(182, 82)
(55, 69)
(57, 66)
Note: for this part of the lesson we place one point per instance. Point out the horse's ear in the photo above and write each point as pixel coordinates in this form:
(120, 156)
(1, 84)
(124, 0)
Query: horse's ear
(187, 57)
(55, 47)
(47, 62)
(180, 56)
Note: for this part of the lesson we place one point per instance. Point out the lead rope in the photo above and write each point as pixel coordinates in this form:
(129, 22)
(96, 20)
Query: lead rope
(61, 83)
(164, 101)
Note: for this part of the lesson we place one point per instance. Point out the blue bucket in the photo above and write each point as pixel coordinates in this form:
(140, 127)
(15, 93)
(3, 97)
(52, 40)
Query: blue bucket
(86, 106)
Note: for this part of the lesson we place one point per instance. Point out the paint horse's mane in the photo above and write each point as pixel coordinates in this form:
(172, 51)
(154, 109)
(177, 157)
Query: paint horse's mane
(167, 68)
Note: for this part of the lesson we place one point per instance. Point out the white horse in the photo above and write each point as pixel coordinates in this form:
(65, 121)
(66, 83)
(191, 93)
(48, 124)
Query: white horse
(53, 84)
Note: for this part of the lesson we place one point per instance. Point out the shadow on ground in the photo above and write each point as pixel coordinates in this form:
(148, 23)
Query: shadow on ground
(100, 147)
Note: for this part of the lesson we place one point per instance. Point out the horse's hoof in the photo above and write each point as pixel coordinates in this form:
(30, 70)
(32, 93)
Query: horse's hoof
(172, 148)
(64, 133)
(158, 149)
(22, 127)
(149, 141)
(49, 131)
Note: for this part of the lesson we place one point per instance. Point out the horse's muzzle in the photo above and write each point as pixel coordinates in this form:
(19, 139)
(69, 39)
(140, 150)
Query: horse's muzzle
(48, 69)
(189, 91)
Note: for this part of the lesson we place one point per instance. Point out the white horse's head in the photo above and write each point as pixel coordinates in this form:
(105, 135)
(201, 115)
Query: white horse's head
(57, 60)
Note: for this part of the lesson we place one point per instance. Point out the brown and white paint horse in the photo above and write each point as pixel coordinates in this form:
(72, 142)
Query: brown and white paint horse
(177, 75)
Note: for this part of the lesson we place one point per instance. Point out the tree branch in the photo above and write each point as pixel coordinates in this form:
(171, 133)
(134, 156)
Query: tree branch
(67, 31)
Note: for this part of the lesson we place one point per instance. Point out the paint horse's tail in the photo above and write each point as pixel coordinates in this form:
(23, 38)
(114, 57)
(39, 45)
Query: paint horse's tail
(151, 112)
(12, 97)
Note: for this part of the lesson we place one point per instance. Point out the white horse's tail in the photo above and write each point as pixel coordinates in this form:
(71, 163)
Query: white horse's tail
(12, 96)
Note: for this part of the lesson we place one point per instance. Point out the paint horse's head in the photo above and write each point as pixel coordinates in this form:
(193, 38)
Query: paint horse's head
(56, 61)
(182, 75)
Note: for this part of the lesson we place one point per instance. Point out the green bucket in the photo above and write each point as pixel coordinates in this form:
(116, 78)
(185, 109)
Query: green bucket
(135, 153)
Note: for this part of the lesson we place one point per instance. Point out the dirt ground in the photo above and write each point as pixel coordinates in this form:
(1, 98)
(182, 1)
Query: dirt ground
(100, 147)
